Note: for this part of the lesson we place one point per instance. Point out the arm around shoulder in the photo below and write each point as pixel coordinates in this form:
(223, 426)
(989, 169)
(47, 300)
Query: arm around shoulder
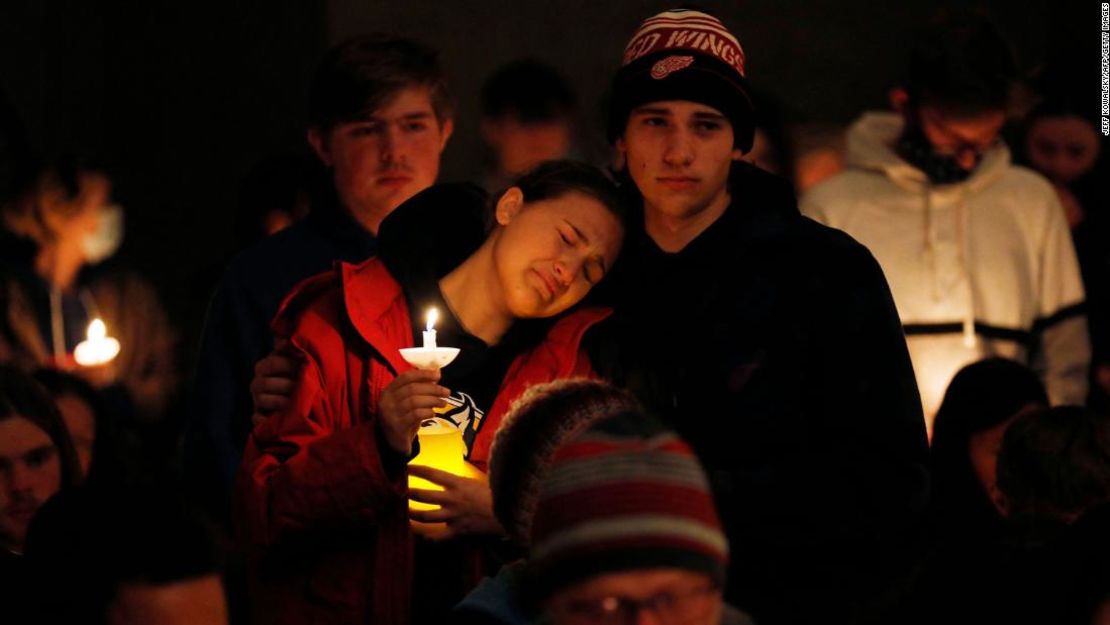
(314, 467)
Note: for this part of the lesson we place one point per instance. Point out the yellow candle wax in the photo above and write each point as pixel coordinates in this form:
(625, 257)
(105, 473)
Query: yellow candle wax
(441, 447)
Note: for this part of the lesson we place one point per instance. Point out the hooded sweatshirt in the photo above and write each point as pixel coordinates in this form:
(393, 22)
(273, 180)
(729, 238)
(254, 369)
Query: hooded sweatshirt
(980, 268)
(771, 344)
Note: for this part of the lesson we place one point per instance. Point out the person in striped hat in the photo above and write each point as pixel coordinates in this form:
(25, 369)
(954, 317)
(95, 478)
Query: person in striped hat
(614, 510)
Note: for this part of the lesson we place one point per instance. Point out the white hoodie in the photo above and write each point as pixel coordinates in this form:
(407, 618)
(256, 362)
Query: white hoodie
(980, 268)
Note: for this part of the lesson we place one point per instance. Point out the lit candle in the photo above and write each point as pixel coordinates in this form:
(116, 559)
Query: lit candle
(430, 331)
(98, 348)
(430, 356)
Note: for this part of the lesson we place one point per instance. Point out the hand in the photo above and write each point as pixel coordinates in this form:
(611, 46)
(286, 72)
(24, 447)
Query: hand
(405, 403)
(467, 504)
(274, 380)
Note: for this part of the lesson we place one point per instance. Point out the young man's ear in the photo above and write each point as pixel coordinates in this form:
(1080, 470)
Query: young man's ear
(318, 140)
(509, 205)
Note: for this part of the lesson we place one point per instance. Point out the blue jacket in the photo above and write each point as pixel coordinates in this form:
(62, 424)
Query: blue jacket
(237, 334)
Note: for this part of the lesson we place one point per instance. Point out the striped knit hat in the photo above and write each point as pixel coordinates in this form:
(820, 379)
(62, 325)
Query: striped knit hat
(539, 422)
(683, 54)
(620, 494)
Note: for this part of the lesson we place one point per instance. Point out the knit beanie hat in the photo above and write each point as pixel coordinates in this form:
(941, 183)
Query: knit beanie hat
(620, 492)
(538, 423)
(683, 54)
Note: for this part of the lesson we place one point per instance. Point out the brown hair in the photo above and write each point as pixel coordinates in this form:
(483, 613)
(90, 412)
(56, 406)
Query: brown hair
(22, 396)
(361, 74)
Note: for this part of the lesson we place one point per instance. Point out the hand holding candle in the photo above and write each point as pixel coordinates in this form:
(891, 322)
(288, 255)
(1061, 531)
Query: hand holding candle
(447, 503)
(408, 401)
(98, 348)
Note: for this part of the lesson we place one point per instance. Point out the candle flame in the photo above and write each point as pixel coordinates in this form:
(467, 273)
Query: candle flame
(432, 317)
(98, 348)
(96, 330)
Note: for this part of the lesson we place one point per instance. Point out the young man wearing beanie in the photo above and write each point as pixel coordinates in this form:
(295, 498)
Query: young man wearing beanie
(977, 250)
(768, 341)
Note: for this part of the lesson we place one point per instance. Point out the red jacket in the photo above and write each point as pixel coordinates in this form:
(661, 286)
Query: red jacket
(327, 524)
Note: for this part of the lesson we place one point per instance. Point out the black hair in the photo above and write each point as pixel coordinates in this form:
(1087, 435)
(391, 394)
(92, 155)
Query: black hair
(961, 63)
(553, 179)
(530, 90)
(22, 396)
(1063, 104)
(1054, 464)
(361, 74)
(981, 396)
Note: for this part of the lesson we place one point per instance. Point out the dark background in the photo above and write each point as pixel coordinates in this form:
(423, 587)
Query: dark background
(181, 99)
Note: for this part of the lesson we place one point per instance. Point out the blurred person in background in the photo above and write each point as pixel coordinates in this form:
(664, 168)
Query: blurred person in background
(976, 249)
(37, 460)
(772, 149)
(528, 117)
(1063, 142)
(1054, 477)
(57, 275)
(1065, 147)
(967, 527)
(275, 194)
(124, 554)
(819, 154)
(123, 546)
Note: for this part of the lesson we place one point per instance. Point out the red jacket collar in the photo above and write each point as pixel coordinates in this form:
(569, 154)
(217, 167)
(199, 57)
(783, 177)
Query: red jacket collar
(372, 297)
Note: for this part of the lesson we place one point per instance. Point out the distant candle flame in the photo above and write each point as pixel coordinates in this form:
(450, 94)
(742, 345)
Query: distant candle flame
(98, 348)
(96, 330)
(432, 317)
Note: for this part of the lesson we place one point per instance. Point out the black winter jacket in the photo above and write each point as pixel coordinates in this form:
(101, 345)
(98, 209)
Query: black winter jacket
(771, 343)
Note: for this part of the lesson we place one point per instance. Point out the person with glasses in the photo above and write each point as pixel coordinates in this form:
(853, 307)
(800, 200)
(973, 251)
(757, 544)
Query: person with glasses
(613, 510)
(976, 249)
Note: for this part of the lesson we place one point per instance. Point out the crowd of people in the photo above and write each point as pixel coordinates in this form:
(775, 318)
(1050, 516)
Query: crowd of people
(733, 373)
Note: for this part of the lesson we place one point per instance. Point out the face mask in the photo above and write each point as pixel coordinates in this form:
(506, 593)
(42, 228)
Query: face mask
(106, 239)
(939, 168)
